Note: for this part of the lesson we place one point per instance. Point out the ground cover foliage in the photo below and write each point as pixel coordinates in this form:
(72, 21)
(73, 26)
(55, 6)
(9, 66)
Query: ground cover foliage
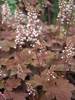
(37, 50)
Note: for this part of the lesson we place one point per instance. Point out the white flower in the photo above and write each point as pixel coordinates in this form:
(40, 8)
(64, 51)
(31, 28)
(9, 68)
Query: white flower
(31, 31)
(29, 51)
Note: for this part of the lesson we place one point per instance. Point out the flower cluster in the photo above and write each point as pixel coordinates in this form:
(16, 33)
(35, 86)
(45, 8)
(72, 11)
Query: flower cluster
(20, 17)
(29, 32)
(28, 27)
(12, 19)
(50, 75)
(7, 17)
(30, 89)
(66, 8)
(69, 51)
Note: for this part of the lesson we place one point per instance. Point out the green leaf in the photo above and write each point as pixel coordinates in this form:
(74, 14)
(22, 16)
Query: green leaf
(40, 2)
(12, 5)
(55, 11)
(1, 2)
(12, 1)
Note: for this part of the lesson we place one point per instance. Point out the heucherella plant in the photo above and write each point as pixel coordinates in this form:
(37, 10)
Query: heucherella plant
(31, 31)
(27, 26)
(66, 11)
(8, 11)
(5, 12)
